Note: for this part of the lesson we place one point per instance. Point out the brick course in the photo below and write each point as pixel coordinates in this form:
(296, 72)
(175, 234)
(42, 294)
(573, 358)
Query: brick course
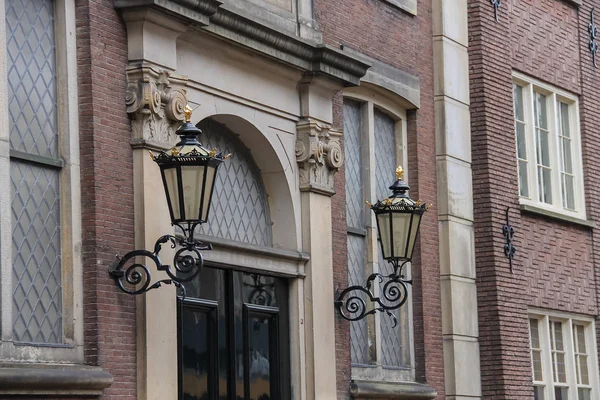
(382, 31)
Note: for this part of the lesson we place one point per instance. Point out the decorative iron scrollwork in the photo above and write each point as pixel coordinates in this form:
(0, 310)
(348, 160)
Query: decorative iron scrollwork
(394, 293)
(509, 249)
(593, 31)
(134, 277)
(496, 4)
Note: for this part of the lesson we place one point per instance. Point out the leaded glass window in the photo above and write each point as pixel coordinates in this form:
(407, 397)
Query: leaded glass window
(241, 214)
(34, 171)
(373, 150)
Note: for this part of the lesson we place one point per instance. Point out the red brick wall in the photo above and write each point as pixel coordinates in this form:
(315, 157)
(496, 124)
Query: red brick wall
(107, 191)
(554, 263)
(379, 30)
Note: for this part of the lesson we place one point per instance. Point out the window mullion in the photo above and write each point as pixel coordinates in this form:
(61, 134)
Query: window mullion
(570, 359)
(547, 368)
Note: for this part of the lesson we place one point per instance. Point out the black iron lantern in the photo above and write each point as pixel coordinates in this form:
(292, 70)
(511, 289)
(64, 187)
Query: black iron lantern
(188, 174)
(398, 220)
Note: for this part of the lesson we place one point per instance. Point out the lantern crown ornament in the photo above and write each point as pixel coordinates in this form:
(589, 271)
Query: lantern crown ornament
(188, 173)
(398, 221)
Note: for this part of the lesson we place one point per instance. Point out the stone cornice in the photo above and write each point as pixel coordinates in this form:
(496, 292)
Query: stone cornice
(308, 56)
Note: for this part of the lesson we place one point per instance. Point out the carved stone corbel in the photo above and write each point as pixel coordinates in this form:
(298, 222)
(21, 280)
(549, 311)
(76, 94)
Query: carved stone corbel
(319, 156)
(155, 100)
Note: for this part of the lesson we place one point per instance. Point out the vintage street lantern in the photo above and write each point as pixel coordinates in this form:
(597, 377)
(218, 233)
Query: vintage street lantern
(398, 220)
(188, 174)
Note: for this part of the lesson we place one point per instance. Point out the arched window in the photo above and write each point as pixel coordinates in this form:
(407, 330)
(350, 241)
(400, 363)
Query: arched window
(375, 144)
(239, 208)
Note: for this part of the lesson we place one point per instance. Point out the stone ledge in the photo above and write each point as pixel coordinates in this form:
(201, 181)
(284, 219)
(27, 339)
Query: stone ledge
(391, 390)
(53, 379)
(556, 215)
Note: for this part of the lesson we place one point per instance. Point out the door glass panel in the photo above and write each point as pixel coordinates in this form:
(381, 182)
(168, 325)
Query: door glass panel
(195, 358)
(259, 355)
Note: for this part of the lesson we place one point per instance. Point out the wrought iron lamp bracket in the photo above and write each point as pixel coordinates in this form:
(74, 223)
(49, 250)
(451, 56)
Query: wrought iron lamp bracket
(135, 277)
(509, 248)
(394, 293)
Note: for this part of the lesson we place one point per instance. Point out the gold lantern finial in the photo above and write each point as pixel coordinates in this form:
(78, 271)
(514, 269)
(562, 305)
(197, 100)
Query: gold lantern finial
(188, 113)
(399, 172)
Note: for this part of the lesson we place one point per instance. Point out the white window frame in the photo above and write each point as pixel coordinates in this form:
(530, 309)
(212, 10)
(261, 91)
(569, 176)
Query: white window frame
(530, 87)
(544, 318)
(71, 348)
(370, 99)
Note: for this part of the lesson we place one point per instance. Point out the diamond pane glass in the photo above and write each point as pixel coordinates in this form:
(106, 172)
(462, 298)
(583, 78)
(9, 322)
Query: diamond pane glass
(239, 209)
(359, 331)
(355, 205)
(394, 340)
(37, 294)
(31, 76)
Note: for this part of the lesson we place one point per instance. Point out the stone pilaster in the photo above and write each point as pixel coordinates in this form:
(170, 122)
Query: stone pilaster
(455, 200)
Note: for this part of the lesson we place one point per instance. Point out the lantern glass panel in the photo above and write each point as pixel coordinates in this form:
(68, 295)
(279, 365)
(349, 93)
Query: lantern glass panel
(396, 227)
(192, 177)
(210, 182)
(170, 175)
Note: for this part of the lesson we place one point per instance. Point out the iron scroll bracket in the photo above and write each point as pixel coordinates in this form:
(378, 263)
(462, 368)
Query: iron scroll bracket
(351, 302)
(134, 277)
(496, 4)
(593, 31)
(509, 249)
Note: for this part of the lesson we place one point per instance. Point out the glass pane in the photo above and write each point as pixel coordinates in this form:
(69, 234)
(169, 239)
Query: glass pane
(584, 394)
(36, 254)
(560, 367)
(518, 102)
(521, 141)
(541, 114)
(170, 176)
(191, 178)
(538, 393)
(523, 179)
(241, 214)
(545, 185)
(359, 333)
(534, 332)
(537, 365)
(561, 393)
(567, 156)
(194, 353)
(580, 333)
(355, 205)
(568, 192)
(583, 367)
(564, 120)
(544, 149)
(558, 336)
(260, 358)
(31, 76)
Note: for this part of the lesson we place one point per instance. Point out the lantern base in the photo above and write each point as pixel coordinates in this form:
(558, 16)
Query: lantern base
(134, 277)
(351, 302)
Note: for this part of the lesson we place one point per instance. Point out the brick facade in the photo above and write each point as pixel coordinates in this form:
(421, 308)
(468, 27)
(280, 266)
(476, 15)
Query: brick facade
(554, 263)
(107, 192)
(388, 34)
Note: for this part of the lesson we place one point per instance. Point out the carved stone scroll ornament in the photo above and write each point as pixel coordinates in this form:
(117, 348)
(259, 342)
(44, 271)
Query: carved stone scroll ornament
(156, 102)
(319, 156)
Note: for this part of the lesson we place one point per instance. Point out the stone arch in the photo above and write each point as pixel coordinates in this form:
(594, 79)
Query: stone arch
(254, 202)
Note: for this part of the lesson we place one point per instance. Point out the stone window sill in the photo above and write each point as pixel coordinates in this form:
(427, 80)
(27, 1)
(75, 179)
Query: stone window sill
(391, 390)
(55, 379)
(410, 6)
(556, 215)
